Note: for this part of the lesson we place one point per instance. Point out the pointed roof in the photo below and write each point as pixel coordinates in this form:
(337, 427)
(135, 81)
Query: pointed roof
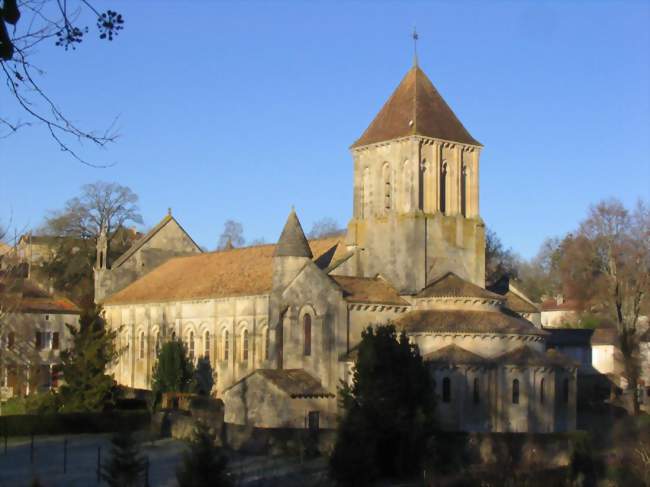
(293, 242)
(453, 354)
(415, 108)
(450, 285)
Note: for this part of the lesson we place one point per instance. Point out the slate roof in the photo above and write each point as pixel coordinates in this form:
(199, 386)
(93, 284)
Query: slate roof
(415, 108)
(237, 272)
(372, 290)
(292, 242)
(453, 354)
(461, 321)
(296, 383)
(526, 355)
(137, 245)
(451, 285)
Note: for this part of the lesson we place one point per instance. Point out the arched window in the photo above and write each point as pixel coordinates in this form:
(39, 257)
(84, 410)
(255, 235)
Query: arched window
(446, 389)
(101, 260)
(515, 391)
(190, 345)
(443, 187)
(267, 342)
(387, 187)
(477, 394)
(206, 345)
(244, 346)
(226, 345)
(157, 343)
(141, 354)
(463, 191)
(421, 182)
(542, 392)
(565, 391)
(306, 324)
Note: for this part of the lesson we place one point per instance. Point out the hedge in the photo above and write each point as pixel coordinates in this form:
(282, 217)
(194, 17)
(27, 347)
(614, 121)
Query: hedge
(73, 423)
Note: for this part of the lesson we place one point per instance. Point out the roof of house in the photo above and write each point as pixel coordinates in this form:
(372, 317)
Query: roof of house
(245, 271)
(605, 336)
(24, 296)
(296, 383)
(415, 108)
(292, 242)
(516, 303)
(137, 245)
(526, 355)
(453, 354)
(372, 290)
(452, 285)
(551, 304)
(501, 321)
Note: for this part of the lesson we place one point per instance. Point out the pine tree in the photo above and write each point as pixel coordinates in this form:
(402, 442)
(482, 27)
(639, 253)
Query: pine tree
(173, 371)
(388, 411)
(203, 380)
(204, 465)
(125, 467)
(87, 386)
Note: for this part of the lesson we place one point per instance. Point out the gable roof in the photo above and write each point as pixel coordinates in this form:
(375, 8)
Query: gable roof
(453, 354)
(460, 321)
(243, 271)
(451, 285)
(137, 245)
(292, 242)
(373, 290)
(415, 108)
(296, 383)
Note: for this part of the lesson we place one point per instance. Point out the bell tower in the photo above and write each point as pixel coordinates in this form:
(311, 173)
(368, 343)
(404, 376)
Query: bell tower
(416, 192)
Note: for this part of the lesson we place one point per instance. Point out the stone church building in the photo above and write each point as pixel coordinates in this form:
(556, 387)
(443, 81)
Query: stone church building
(280, 322)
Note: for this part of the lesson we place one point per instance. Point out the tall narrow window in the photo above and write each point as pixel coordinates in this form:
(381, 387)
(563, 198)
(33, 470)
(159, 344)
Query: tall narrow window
(226, 345)
(565, 391)
(542, 392)
(446, 389)
(463, 191)
(157, 343)
(422, 187)
(141, 345)
(387, 187)
(244, 346)
(306, 324)
(206, 345)
(477, 394)
(443, 187)
(515, 391)
(267, 342)
(191, 345)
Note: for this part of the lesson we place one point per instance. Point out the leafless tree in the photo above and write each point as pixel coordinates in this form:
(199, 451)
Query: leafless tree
(232, 235)
(325, 227)
(24, 26)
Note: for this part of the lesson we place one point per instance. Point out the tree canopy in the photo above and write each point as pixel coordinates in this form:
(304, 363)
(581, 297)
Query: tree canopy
(232, 235)
(174, 371)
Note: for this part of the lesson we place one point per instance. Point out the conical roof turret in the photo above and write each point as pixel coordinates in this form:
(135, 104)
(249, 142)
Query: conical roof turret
(293, 242)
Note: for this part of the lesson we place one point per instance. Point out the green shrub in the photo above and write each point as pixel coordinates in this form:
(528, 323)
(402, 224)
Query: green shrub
(13, 406)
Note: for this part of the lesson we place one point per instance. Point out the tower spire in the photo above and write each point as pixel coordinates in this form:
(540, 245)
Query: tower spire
(415, 46)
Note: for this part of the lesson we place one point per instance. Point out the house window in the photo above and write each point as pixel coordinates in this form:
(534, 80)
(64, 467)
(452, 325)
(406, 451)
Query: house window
(446, 389)
(206, 345)
(477, 397)
(141, 345)
(541, 391)
(226, 345)
(244, 346)
(313, 420)
(565, 391)
(306, 323)
(44, 340)
(515, 391)
(191, 345)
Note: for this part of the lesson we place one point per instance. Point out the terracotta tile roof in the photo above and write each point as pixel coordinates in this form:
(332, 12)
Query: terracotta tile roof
(415, 108)
(373, 290)
(24, 296)
(460, 321)
(237, 272)
(526, 355)
(296, 383)
(145, 238)
(451, 285)
(453, 354)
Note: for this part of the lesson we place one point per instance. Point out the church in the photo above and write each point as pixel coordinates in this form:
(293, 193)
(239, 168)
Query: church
(280, 323)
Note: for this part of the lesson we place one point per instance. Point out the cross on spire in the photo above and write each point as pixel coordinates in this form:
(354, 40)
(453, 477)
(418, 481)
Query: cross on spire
(415, 46)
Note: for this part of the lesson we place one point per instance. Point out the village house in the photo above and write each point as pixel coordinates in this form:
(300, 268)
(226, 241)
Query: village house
(280, 322)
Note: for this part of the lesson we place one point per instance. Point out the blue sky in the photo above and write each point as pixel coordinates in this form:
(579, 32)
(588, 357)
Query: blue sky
(241, 109)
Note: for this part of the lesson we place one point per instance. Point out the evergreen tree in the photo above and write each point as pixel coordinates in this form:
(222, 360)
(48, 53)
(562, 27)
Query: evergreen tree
(173, 371)
(126, 466)
(388, 411)
(203, 380)
(204, 465)
(87, 386)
